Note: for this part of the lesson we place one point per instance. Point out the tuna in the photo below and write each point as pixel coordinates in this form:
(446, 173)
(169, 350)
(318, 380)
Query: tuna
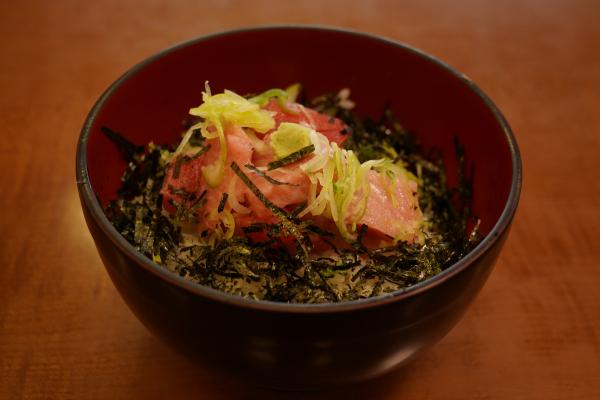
(392, 210)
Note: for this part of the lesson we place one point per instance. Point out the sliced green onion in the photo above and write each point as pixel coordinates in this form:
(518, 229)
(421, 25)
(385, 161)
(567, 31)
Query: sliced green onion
(282, 97)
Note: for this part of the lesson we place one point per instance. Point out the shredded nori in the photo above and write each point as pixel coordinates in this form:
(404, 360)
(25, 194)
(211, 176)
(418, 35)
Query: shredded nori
(267, 177)
(137, 213)
(291, 158)
(283, 216)
(221, 206)
(177, 167)
(184, 159)
(128, 150)
(261, 264)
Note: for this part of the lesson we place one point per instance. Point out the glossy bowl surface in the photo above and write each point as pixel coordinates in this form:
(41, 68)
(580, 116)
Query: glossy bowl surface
(300, 345)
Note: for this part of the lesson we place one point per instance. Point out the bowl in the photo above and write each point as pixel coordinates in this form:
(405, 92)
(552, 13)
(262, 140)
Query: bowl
(284, 345)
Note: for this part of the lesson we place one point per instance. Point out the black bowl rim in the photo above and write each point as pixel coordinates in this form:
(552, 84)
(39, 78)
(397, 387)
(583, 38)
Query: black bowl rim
(95, 209)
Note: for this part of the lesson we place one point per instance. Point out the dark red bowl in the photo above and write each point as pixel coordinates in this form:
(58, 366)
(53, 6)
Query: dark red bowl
(300, 345)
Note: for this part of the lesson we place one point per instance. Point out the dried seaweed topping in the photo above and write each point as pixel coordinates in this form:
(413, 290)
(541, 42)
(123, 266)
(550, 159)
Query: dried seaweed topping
(222, 203)
(288, 224)
(260, 267)
(128, 149)
(281, 96)
(267, 177)
(292, 158)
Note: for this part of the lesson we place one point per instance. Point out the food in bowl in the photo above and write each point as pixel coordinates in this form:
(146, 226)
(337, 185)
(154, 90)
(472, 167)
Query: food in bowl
(300, 345)
(272, 198)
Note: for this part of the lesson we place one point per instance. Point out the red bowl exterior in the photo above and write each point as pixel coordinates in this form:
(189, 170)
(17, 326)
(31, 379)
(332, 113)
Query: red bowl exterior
(291, 345)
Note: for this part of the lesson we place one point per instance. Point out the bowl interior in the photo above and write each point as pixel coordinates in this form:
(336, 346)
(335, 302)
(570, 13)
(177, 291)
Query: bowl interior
(150, 101)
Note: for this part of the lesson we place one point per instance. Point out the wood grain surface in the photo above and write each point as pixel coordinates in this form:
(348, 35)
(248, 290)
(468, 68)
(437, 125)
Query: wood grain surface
(533, 332)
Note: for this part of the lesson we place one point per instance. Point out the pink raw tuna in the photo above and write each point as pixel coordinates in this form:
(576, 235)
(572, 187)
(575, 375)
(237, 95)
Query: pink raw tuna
(402, 221)
(334, 129)
(380, 215)
(239, 149)
(282, 196)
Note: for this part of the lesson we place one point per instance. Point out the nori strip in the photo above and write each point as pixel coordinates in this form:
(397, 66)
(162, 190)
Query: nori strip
(177, 167)
(221, 206)
(267, 177)
(204, 149)
(184, 159)
(127, 148)
(283, 217)
(181, 192)
(291, 158)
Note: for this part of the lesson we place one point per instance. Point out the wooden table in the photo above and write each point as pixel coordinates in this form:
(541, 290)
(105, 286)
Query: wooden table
(533, 332)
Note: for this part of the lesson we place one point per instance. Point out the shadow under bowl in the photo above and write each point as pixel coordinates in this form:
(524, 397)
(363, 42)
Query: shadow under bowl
(300, 345)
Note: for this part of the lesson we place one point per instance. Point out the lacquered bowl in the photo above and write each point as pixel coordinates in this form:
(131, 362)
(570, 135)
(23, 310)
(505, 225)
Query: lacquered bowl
(300, 345)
